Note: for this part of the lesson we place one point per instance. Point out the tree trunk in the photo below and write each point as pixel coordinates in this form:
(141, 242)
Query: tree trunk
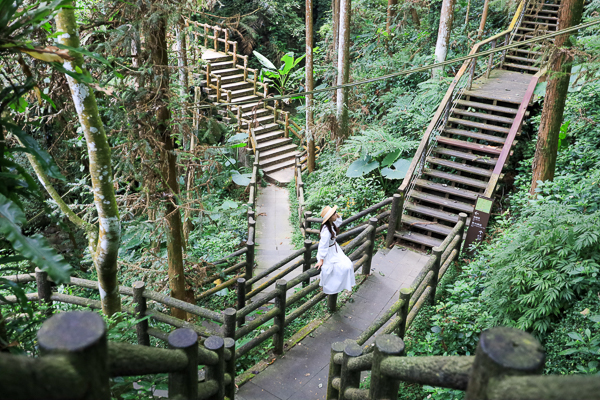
(335, 16)
(559, 70)
(486, 7)
(415, 17)
(310, 84)
(441, 46)
(391, 13)
(343, 70)
(109, 234)
(156, 40)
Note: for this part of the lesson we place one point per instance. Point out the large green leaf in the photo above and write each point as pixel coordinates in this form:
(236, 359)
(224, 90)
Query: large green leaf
(264, 60)
(400, 169)
(390, 158)
(361, 167)
(288, 63)
(299, 59)
(35, 248)
(240, 179)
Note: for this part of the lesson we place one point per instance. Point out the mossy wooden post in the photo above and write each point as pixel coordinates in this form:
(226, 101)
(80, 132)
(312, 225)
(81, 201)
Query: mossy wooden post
(348, 378)
(395, 211)
(405, 294)
(307, 223)
(307, 258)
(384, 387)
(332, 302)
(366, 268)
(81, 337)
(216, 372)
(502, 352)
(241, 299)
(229, 320)
(461, 233)
(279, 319)
(437, 253)
(141, 328)
(184, 383)
(229, 344)
(249, 263)
(43, 287)
(334, 370)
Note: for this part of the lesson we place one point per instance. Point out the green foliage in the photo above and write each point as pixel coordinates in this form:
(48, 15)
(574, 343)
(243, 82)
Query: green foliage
(281, 76)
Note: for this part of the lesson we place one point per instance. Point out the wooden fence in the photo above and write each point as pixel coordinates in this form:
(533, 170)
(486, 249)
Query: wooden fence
(77, 361)
(507, 365)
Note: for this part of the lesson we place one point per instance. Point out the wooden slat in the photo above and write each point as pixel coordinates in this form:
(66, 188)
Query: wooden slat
(432, 212)
(521, 66)
(523, 59)
(538, 31)
(442, 187)
(541, 17)
(489, 96)
(456, 178)
(414, 222)
(475, 135)
(442, 201)
(488, 107)
(489, 117)
(469, 145)
(418, 238)
(478, 125)
(466, 156)
(460, 167)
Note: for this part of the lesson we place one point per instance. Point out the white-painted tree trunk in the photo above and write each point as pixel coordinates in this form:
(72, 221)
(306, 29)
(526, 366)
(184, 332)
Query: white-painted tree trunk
(310, 84)
(109, 233)
(443, 39)
(343, 68)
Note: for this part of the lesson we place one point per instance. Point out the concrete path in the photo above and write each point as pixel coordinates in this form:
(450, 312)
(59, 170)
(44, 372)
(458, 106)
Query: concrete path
(301, 373)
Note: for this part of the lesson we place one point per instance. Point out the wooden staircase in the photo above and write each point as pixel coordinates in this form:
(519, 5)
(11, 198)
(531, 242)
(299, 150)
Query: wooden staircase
(462, 154)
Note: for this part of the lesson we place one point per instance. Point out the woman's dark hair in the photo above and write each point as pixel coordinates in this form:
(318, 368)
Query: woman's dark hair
(331, 227)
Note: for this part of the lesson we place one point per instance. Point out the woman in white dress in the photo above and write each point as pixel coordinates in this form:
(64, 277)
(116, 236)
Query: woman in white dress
(337, 272)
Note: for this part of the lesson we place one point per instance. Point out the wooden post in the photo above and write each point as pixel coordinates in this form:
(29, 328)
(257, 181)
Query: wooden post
(502, 352)
(461, 217)
(205, 36)
(437, 253)
(384, 387)
(249, 263)
(506, 38)
(81, 336)
(279, 319)
(472, 73)
(490, 60)
(405, 294)
(332, 302)
(185, 383)
(334, 370)
(241, 299)
(246, 71)
(139, 300)
(229, 319)
(230, 368)
(216, 372)
(43, 287)
(394, 212)
(218, 88)
(227, 43)
(307, 223)
(366, 268)
(235, 55)
(216, 38)
(208, 72)
(228, 100)
(307, 258)
(287, 125)
(348, 378)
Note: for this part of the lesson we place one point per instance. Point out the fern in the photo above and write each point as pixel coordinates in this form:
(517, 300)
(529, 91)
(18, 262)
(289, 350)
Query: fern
(376, 142)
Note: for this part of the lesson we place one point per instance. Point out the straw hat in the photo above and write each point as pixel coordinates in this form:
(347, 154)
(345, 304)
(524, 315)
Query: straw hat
(327, 213)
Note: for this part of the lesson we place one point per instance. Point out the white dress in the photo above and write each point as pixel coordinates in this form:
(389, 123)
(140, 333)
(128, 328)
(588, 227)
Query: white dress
(337, 272)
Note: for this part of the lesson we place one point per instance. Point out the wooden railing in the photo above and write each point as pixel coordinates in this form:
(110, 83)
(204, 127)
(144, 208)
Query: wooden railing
(77, 362)
(508, 364)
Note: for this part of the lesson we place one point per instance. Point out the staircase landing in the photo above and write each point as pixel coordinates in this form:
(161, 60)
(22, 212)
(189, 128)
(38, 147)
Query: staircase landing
(502, 85)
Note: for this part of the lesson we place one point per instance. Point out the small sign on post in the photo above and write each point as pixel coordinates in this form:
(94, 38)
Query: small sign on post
(479, 221)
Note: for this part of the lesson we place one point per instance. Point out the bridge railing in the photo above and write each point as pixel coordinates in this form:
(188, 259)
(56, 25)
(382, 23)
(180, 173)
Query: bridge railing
(77, 362)
(508, 364)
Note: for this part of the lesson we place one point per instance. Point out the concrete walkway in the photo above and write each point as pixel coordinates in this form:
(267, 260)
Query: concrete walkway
(301, 372)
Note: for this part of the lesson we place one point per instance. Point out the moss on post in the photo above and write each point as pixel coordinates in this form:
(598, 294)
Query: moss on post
(384, 387)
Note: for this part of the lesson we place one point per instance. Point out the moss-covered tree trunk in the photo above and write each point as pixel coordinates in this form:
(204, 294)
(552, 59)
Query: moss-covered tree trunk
(109, 232)
(443, 39)
(559, 71)
(156, 40)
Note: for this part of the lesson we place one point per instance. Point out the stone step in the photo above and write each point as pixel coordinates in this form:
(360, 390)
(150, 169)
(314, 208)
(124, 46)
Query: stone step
(272, 144)
(279, 166)
(267, 162)
(268, 136)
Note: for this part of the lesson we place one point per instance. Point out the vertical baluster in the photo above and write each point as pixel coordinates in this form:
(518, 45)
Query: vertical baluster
(437, 253)
(205, 35)
(241, 299)
(366, 267)
(216, 372)
(218, 88)
(230, 368)
(307, 258)
(461, 233)
(229, 320)
(185, 383)
(394, 213)
(235, 55)
(472, 73)
(246, 71)
(139, 300)
(216, 38)
(227, 45)
(349, 378)
(491, 60)
(249, 263)
(279, 319)
(43, 287)
(287, 125)
(384, 387)
(405, 294)
(334, 370)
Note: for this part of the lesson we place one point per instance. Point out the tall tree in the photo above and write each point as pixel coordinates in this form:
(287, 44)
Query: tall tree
(106, 248)
(486, 6)
(391, 13)
(559, 70)
(310, 84)
(156, 40)
(343, 70)
(443, 38)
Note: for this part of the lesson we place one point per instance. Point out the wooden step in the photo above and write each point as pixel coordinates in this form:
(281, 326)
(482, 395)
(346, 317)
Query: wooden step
(414, 222)
(215, 66)
(279, 166)
(265, 137)
(523, 59)
(478, 125)
(469, 145)
(484, 95)
(225, 80)
(418, 238)
(460, 167)
(540, 32)
(525, 37)
(519, 50)
(217, 57)
(259, 121)
(442, 187)
(552, 12)
(260, 112)
(488, 107)
(227, 72)
(525, 22)
(521, 66)
(271, 144)
(489, 117)
(247, 108)
(267, 162)
(278, 151)
(475, 135)
(455, 178)
(238, 85)
(442, 201)
(465, 156)
(541, 17)
(235, 95)
(431, 212)
(246, 98)
(266, 128)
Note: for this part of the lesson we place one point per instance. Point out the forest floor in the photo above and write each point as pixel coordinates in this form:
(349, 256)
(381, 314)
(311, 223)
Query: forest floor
(301, 372)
